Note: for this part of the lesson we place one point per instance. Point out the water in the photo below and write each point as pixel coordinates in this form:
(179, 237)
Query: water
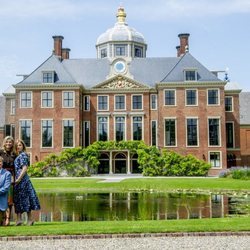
(139, 206)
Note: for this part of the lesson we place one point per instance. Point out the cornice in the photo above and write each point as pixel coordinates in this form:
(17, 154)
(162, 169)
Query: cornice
(190, 84)
(47, 86)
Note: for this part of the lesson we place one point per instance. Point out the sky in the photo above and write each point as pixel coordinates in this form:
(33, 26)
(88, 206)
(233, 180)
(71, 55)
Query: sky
(219, 32)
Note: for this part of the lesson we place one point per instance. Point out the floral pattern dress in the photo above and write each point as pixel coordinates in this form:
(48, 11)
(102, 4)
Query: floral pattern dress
(25, 198)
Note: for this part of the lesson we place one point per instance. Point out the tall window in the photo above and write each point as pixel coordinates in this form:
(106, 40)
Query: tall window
(213, 96)
(120, 128)
(170, 97)
(102, 102)
(102, 128)
(25, 131)
(120, 102)
(86, 130)
(137, 102)
(68, 133)
(47, 130)
(86, 103)
(153, 101)
(47, 99)
(153, 133)
(26, 99)
(229, 103)
(214, 131)
(137, 128)
(12, 106)
(192, 132)
(170, 132)
(68, 99)
(214, 159)
(230, 134)
(48, 77)
(191, 97)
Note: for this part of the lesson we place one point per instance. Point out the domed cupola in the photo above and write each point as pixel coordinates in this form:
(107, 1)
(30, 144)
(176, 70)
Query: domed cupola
(121, 40)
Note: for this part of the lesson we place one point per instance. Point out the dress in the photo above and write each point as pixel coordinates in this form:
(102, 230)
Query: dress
(25, 197)
(8, 164)
(5, 181)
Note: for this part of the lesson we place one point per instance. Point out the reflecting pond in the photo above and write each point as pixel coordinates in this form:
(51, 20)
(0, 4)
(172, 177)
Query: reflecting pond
(139, 206)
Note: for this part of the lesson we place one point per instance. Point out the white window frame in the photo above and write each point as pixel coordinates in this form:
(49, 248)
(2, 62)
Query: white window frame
(125, 105)
(132, 101)
(167, 105)
(52, 96)
(97, 127)
(176, 141)
(31, 134)
(217, 104)
(86, 98)
(125, 126)
(31, 99)
(196, 101)
(232, 103)
(209, 160)
(70, 107)
(98, 103)
(151, 102)
(233, 133)
(12, 106)
(198, 135)
(191, 70)
(135, 115)
(151, 137)
(49, 119)
(68, 119)
(48, 72)
(214, 117)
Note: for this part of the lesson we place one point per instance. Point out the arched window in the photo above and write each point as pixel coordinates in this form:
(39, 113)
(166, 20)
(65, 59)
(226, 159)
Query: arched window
(103, 168)
(120, 166)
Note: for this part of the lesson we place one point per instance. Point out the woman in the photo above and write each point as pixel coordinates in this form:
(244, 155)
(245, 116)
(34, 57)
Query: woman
(5, 181)
(25, 197)
(8, 154)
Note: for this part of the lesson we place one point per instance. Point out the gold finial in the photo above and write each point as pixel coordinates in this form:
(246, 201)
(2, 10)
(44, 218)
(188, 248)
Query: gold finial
(121, 15)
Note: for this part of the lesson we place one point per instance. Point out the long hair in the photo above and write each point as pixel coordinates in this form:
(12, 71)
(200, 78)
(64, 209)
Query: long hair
(13, 143)
(22, 142)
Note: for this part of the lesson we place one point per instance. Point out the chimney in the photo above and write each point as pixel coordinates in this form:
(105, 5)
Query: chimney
(184, 47)
(65, 53)
(178, 50)
(58, 45)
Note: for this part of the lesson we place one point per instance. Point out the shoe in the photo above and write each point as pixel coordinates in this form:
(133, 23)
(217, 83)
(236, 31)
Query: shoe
(30, 223)
(19, 223)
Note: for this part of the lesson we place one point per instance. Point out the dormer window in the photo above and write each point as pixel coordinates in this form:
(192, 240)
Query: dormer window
(49, 77)
(190, 75)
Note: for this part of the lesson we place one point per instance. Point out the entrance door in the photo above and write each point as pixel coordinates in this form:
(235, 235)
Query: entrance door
(120, 166)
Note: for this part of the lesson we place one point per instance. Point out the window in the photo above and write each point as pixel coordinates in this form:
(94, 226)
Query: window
(229, 103)
(47, 130)
(103, 53)
(9, 129)
(191, 97)
(48, 77)
(214, 131)
(153, 102)
(25, 131)
(230, 134)
(192, 132)
(154, 133)
(68, 133)
(102, 102)
(68, 99)
(190, 75)
(12, 106)
(170, 132)
(102, 128)
(47, 99)
(137, 128)
(213, 96)
(137, 102)
(120, 128)
(26, 99)
(120, 50)
(138, 51)
(170, 97)
(86, 131)
(86, 103)
(214, 159)
(120, 102)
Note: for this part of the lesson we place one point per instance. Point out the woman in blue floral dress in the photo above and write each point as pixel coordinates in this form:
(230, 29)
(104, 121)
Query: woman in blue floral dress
(25, 198)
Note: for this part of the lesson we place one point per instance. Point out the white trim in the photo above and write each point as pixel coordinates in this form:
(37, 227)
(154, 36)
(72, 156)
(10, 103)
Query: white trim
(12, 106)
(209, 161)
(232, 98)
(48, 72)
(198, 139)
(69, 91)
(196, 100)
(132, 101)
(98, 103)
(217, 104)
(31, 99)
(132, 116)
(84, 102)
(191, 70)
(125, 126)
(175, 102)
(125, 105)
(214, 117)
(68, 119)
(52, 97)
(233, 133)
(156, 127)
(41, 130)
(176, 141)
(31, 126)
(97, 127)
(156, 101)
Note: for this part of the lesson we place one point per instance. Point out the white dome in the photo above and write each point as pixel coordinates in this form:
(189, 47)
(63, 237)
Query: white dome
(120, 32)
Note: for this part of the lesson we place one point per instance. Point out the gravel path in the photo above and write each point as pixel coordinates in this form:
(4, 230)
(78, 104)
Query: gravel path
(147, 243)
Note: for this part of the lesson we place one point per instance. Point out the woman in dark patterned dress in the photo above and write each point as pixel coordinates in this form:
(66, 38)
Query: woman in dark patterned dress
(7, 152)
(25, 197)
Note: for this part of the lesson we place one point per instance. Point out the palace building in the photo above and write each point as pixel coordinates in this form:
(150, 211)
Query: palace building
(174, 103)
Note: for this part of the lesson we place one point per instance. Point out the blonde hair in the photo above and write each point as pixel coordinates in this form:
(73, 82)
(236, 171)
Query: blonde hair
(22, 142)
(13, 143)
(1, 159)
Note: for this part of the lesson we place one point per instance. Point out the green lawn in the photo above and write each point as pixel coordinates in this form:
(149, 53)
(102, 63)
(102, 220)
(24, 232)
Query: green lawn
(219, 185)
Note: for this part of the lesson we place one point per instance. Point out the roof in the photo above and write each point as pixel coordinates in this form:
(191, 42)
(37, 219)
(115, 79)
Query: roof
(244, 108)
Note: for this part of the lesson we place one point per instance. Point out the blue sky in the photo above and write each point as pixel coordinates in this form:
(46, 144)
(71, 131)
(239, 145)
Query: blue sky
(219, 31)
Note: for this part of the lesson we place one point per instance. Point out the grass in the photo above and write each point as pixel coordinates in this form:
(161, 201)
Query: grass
(218, 185)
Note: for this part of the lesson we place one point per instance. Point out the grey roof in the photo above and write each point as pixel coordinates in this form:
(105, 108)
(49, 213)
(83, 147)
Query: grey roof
(187, 61)
(244, 108)
(232, 86)
(91, 72)
(2, 111)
